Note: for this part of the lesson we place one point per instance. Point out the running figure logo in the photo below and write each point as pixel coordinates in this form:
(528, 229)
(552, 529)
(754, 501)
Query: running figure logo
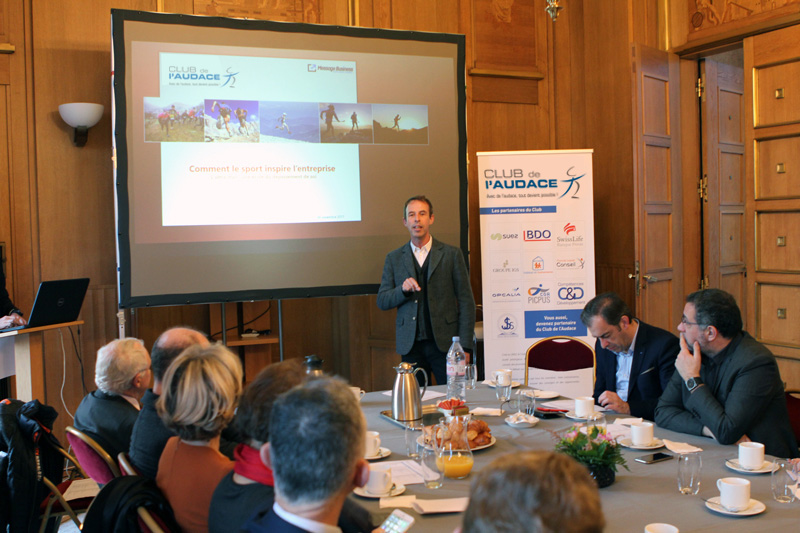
(231, 77)
(573, 180)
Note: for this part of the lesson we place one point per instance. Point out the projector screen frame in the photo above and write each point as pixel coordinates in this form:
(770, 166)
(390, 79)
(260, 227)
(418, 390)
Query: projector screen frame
(121, 175)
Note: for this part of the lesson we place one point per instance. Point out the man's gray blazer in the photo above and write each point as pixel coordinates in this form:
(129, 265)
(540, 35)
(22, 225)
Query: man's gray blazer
(450, 302)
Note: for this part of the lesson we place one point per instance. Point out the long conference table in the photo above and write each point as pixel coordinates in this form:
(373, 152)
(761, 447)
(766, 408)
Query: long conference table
(645, 494)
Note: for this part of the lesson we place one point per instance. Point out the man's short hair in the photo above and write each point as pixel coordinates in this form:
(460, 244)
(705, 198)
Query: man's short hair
(201, 388)
(253, 414)
(316, 438)
(165, 350)
(419, 198)
(715, 307)
(539, 492)
(118, 362)
(609, 306)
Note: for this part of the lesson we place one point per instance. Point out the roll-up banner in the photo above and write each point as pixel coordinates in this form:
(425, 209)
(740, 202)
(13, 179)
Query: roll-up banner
(537, 248)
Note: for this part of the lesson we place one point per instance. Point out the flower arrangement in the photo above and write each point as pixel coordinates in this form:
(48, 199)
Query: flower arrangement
(593, 447)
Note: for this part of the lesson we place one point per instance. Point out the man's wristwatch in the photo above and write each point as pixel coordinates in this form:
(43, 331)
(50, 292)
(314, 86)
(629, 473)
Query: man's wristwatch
(693, 383)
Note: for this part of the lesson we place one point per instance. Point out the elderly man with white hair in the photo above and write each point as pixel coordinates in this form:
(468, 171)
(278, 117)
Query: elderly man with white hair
(122, 375)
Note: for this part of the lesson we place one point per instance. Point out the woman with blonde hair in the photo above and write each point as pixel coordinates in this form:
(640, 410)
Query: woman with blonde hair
(200, 390)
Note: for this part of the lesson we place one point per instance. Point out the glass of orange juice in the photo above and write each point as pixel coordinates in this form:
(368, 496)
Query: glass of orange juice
(454, 455)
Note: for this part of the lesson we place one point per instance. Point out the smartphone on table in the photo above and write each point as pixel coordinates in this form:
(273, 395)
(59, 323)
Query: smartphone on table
(653, 458)
(398, 522)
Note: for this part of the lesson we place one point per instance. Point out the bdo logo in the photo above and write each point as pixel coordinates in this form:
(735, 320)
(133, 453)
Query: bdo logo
(537, 235)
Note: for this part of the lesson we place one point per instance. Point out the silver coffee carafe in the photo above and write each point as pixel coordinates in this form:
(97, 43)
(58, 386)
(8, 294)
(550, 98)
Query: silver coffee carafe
(406, 398)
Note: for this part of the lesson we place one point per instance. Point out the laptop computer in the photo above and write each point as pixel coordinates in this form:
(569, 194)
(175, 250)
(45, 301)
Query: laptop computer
(56, 302)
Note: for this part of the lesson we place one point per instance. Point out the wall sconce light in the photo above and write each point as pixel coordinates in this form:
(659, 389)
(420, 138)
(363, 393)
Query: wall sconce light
(553, 8)
(81, 116)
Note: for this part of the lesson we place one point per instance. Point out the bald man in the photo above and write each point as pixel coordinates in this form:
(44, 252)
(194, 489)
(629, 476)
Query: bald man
(149, 433)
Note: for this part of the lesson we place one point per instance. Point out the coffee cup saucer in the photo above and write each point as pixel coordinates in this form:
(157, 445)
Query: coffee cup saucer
(397, 490)
(382, 452)
(627, 442)
(755, 507)
(766, 467)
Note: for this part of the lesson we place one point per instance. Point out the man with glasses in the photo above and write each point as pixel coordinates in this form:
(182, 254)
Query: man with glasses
(727, 385)
(635, 361)
(122, 375)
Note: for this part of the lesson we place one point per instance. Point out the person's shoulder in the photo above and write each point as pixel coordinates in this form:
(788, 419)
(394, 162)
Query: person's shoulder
(444, 247)
(753, 351)
(400, 250)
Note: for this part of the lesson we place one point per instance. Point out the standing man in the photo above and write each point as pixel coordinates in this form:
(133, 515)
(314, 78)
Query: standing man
(727, 385)
(635, 361)
(10, 316)
(427, 281)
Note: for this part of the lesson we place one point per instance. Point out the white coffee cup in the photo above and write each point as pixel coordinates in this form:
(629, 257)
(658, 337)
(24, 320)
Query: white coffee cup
(660, 528)
(642, 434)
(380, 480)
(584, 406)
(357, 392)
(734, 493)
(751, 455)
(502, 377)
(372, 443)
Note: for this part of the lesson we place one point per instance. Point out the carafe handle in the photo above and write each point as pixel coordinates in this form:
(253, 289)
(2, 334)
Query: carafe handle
(425, 387)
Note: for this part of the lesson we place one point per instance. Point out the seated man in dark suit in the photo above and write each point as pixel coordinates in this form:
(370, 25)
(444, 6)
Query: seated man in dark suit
(316, 453)
(635, 361)
(727, 385)
(122, 374)
(150, 435)
(250, 487)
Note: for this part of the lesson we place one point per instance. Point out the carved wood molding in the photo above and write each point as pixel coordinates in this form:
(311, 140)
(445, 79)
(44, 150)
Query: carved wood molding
(497, 73)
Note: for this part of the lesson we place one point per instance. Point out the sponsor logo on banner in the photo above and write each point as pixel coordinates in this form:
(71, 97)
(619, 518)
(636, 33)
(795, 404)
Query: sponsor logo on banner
(504, 236)
(571, 236)
(517, 180)
(570, 264)
(505, 265)
(571, 293)
(538, 295)
(507, 295)
(537, 235)
(534, 263)
(507, 326)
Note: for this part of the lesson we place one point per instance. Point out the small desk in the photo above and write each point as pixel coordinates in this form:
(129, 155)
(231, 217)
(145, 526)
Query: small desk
(30, 373)
(648, 493)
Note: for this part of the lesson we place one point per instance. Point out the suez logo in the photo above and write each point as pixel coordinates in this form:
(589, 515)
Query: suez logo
(515, 178)
(504, 236)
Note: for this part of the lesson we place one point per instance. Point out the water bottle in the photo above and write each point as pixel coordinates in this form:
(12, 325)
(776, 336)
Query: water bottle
(457, 371)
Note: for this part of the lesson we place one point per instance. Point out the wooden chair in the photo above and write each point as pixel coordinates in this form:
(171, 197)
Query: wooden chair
(126, 466)
(560, 354)
(94, 459)
(793, 406)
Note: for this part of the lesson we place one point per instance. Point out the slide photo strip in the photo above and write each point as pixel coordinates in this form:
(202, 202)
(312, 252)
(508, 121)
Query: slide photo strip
(345, 123)
(170, 121)
(250, 121)
(231, 121)
(289, 122)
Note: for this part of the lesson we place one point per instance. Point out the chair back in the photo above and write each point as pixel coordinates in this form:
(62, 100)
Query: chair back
(793, 406)
(560, 354)
(92, 457)
(126, 466)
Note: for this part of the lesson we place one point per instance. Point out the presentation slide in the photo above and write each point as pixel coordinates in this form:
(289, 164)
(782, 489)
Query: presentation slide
(264, 159)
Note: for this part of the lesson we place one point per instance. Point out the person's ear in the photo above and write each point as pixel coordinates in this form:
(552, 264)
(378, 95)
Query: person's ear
(362, 473)
(711, 333)
(265, 453)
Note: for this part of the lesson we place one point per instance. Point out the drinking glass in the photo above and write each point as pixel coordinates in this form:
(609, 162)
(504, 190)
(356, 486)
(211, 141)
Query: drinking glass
(472, 376)
(432, 474)
(784, 480)
(598, 420)
(413, 430)
(690, 467)
(523, 403)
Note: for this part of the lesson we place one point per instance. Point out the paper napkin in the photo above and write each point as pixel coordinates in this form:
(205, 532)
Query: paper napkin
(628, 421)
(681, 447)
(398, 501)
(486, 411)
(447, 505)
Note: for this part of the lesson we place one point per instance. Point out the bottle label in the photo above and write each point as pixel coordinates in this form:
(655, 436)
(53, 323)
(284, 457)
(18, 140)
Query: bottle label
(461, 369)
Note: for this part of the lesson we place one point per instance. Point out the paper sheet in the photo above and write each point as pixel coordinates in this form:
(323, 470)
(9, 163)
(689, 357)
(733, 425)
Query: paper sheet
(398, 501)
(447, 505)
(82, 488)
(405, 472)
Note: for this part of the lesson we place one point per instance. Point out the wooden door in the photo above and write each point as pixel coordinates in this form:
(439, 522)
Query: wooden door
(772, 134)
(722, 189)
(657, 194)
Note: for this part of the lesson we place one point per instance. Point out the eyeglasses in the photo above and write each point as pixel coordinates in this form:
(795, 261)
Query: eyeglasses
(687, 323)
